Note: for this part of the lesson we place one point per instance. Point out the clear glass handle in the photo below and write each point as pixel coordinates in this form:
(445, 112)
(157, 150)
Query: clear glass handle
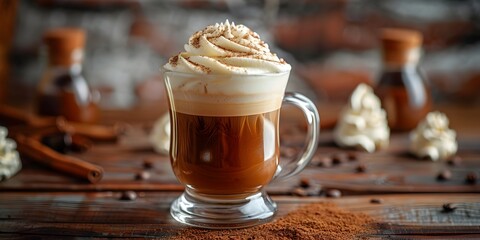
(313, 122)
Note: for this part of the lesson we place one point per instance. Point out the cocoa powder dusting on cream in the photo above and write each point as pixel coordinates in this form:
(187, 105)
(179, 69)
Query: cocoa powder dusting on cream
(314, 221)
(195, 40)
(173, 60)
(227, 48)
(199, 67)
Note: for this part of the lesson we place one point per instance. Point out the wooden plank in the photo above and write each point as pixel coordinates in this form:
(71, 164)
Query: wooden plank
(104, 215)
(388, 171)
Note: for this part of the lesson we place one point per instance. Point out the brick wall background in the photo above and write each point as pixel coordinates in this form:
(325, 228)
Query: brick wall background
(332, 44)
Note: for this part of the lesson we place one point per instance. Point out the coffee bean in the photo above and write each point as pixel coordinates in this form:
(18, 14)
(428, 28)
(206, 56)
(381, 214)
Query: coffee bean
(325, 162)
(361, 168)
(376, 200)
(449, 207)
(128, 196)
(334, 193)
(454, 161)
(148, 164)
(300, 192)
(444, 175)
(338, 159)
(304, 183)
(143, 175)
(352, 156)
(471, 178)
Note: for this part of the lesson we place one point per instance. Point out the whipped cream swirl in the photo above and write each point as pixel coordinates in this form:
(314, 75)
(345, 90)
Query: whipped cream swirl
(10, 162)
(433, 139)
(362, 123)
(227, 49)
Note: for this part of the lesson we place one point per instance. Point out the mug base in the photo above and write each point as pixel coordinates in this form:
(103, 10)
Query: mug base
(204, 212)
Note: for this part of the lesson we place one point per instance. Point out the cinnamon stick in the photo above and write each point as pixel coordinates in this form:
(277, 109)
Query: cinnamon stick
(95, 132)
(63, 163)
(12, 116)
(81, 143)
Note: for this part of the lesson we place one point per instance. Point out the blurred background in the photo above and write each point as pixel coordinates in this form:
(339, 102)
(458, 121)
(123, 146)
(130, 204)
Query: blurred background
(332, 44)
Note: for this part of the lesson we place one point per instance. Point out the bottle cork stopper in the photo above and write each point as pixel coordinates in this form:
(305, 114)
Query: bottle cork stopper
(64, 45)
(398, 44)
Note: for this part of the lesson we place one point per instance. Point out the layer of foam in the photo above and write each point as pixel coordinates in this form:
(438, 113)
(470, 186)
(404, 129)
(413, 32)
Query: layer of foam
(225, 95)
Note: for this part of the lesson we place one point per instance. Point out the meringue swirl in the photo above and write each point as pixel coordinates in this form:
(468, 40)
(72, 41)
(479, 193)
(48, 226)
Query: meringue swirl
(10, 162)
(363, 123)
(227, 49)
(433, 138)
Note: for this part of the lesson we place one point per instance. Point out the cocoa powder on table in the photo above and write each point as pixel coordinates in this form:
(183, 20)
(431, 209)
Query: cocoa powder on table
(313, 221)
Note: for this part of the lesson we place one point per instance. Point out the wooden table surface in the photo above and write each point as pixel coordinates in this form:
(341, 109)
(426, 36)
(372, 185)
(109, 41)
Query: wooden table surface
(40, 202)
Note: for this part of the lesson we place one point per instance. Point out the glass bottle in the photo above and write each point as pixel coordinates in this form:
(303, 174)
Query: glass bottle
(63, 91)
(402, 89)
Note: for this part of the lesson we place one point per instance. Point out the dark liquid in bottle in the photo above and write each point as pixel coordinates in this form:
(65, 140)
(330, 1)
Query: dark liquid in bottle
(48, 104)
(404, 97)
(65, 101)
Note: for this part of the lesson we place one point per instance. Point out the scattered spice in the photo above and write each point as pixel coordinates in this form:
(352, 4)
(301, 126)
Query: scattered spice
(128, 196)
(314, 221)
(195, 41)
(173, 60)
(471, 178)
(444, 175)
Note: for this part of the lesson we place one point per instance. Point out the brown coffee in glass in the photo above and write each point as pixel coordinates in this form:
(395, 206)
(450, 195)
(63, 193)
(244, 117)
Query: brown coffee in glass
(226, 155)
(225, 92)
(225, 145)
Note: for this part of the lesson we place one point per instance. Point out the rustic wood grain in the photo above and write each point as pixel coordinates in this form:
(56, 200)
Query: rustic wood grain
(41, 203)
(391, 170)
(102, 214)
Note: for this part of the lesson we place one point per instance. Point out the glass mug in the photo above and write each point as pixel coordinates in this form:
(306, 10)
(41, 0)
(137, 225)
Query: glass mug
(225, 145)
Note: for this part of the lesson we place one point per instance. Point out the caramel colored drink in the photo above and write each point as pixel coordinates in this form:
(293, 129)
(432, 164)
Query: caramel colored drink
(225, 139)
(225, 92)
(226, 155)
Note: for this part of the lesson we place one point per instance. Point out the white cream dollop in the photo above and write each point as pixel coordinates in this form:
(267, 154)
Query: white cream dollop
(432, 138)
(362, 123)
(10, 162)
(160, 135)
(227, 49)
